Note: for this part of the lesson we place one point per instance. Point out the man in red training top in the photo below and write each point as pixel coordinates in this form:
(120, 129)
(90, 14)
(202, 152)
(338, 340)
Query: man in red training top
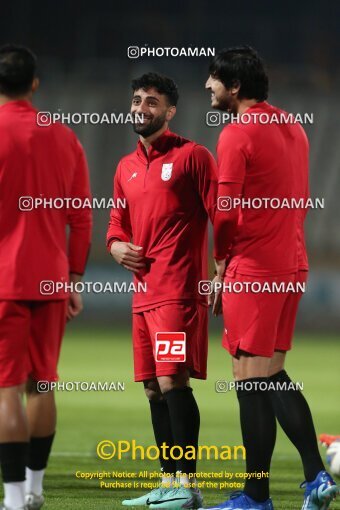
(169, 184)
(262, 155)
(35, 162)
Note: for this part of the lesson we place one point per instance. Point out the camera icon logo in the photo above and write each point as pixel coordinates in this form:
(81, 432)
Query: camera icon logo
(224, 203)
(26, 203)
(44, 119)
(213, 119)
(133, 52)
(204, 287)
(221, 386)
(46, 287)
(43, 386)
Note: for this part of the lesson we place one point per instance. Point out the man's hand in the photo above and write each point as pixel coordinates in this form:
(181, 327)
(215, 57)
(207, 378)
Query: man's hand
(220, 266)
(75, 303)
(128, 255)
(215, 298)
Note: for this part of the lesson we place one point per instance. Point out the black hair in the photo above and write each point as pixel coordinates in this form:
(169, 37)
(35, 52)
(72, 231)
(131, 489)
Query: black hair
(17, 70)
(241, 65)
(162, 84)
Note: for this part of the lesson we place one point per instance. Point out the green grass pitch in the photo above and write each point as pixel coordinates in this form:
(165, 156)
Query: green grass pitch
(85, 418)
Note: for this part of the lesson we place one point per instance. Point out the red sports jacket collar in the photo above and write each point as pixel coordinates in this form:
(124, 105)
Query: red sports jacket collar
(160, 146)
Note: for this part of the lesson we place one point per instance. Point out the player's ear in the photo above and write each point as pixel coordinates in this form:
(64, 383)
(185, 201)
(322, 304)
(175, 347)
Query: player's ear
(171, 112)
(235, 88)
(35, 84)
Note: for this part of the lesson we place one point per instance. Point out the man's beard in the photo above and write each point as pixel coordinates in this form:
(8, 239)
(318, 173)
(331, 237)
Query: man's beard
(225, 104)
(149, 129)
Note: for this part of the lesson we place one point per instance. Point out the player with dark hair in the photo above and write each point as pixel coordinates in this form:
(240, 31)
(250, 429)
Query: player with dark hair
(170, 187)
(35, 162)
(262, 160)
(17, 70)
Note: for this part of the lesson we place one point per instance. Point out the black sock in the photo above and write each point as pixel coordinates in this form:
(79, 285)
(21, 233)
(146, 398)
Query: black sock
(39, 452)
(258, 427)
(13, 460)
(294, 416)
(185, 424)
(163, 434)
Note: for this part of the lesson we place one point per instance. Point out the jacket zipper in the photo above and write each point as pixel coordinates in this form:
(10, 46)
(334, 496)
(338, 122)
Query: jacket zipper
(147, 169)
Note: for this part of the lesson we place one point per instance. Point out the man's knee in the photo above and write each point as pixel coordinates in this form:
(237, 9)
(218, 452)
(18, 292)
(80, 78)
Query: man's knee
(247, 366)
(12, 391)
(152, 390)
(175, 381)
(277, 363)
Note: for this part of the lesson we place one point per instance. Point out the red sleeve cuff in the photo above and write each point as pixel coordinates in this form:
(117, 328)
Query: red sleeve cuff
(79, 251)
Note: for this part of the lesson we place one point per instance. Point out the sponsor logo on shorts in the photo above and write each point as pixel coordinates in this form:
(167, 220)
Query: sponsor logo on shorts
(170, 346)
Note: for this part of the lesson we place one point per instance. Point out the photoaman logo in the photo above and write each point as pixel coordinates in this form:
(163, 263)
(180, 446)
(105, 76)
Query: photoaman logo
(170, 346)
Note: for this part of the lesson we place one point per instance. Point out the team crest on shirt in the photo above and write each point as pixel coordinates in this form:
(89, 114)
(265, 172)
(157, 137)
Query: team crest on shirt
(166, 171)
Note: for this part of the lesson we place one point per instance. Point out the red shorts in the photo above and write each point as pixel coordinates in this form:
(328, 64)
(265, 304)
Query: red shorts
(189, 318)
(30, 339)
(260, 322)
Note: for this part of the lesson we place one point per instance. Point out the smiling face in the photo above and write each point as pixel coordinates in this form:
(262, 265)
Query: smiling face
(155, 109)
(221, 97)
